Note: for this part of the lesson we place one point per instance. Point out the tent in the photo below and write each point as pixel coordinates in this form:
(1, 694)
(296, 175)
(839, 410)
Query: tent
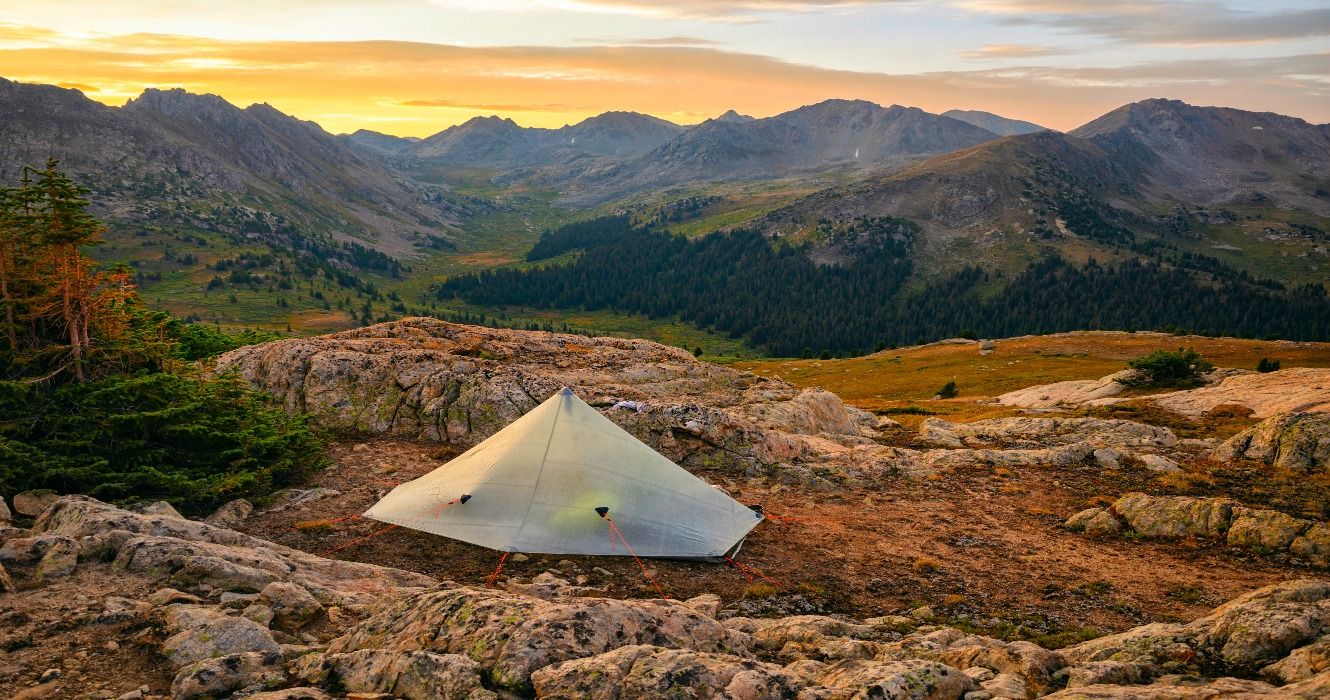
(546, 482)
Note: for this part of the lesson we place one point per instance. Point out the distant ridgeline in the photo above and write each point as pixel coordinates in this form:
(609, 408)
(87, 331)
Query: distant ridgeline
(779, 300)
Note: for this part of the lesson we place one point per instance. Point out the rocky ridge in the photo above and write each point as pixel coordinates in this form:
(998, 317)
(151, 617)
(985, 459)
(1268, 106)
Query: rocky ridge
(428, 379)
(232, 615)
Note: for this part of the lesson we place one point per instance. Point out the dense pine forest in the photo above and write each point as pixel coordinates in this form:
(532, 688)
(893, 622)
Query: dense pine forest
(773, 295)
(99, 395)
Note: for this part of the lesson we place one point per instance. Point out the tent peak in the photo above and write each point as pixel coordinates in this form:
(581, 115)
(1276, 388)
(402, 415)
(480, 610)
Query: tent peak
(565, 392)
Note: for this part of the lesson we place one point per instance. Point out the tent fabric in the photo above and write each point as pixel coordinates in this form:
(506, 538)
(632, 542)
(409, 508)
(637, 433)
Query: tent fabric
(535, 486)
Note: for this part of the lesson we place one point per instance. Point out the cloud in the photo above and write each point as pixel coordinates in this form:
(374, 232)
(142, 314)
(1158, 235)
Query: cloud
(346, 85)
(651, 41)
(713, 10)
(493, 107)
(1161, 22)
(1001, 51)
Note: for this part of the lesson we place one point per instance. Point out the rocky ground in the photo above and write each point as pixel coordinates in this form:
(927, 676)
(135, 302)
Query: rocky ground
(943, 560)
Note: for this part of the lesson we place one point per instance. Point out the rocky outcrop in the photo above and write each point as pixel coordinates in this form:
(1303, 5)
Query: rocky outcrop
(1261, 529)
(1070, 393)
(1294, 441)
(403, 635)
(511, 635)
(430, 379)
(1042, 432)
(1298, 389)
(194, 553)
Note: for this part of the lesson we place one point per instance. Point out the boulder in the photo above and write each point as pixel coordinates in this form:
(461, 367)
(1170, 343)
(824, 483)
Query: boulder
(1294, 441)
(1265, 528)
(292, 606)
(512, 635)
(231, 514)
(1158, 463)
(1261, 627)
(291, 694)
(162, 508)
(188, 553)
(1104, 524)
(6, 581)
(1108, 458)
(23, 551)
(1313, 545)
(202, 633)
(1153, 644)
(1108, 673)
(1175, 688)
(411, 675)
(60, 560)
(1173, 516)
(655, 673)
(32, 503)
(1302, 663)
(1076, 523)
(6, 517)
(913, 679)
(221, 676)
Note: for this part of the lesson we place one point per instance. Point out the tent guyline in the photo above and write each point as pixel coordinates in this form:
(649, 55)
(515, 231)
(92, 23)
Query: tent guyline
(604, 512)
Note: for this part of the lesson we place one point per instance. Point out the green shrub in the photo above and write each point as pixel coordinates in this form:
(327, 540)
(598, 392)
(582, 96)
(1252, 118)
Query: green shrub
(1163, 368)
(194, 442)
(1267, 365)
(948, 391)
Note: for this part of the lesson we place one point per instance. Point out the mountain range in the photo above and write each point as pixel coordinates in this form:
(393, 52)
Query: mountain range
(1151, 167)
(979, 186)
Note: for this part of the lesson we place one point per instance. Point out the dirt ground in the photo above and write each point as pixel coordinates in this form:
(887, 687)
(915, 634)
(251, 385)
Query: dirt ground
(57, 626)
(983, 547)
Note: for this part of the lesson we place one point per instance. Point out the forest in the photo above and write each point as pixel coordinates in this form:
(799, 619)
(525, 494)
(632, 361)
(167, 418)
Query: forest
(102, 396)
(776, 298)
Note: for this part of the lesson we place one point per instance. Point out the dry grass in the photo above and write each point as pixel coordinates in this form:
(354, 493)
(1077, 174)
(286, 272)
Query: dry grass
(906, 379)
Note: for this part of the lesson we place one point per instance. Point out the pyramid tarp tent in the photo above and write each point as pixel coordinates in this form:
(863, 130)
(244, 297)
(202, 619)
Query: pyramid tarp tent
(536, 485)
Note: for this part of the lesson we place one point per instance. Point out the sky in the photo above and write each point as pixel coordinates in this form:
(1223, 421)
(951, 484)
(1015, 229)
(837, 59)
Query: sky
(415, 67)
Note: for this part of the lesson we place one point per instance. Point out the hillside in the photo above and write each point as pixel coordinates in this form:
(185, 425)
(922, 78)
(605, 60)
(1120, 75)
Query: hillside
(198, 163)
(1242, 187)
(996, 123)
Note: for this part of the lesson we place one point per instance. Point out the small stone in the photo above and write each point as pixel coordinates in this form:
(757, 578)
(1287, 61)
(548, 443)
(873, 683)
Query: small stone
(923, 613)
(49, 674)
(360, 447)
(601, 572)
(1159, 463)
(566, 565)
(168, 596)
(111, 646)
(979, 673)
(136, 694)
(229, 599)
(518, 558)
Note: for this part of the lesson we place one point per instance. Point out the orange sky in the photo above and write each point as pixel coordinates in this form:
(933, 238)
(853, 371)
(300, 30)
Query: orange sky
(418, 88)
